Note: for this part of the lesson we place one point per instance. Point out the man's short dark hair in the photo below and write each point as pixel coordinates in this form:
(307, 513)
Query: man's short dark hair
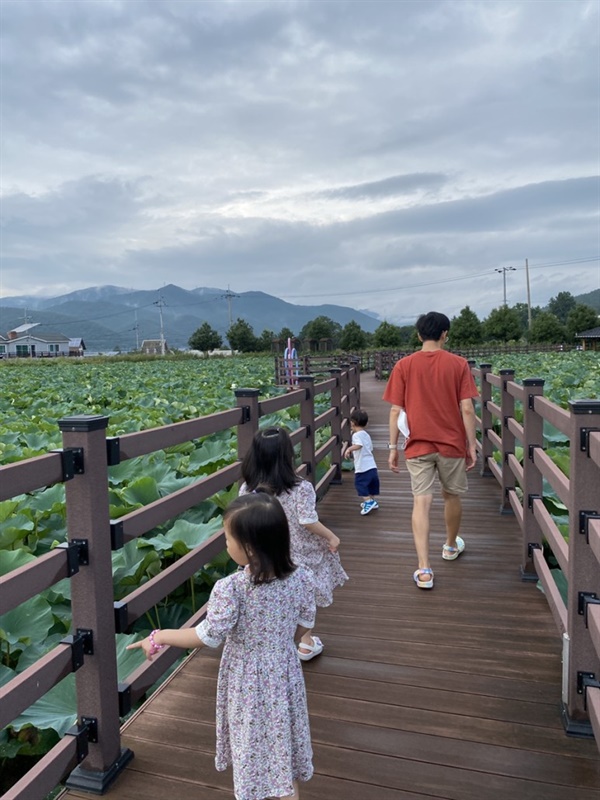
(431, 326)
(359, 417)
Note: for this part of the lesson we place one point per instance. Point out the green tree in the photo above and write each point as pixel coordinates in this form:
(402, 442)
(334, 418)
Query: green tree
(561, 305)
(387, 335)
(523, 312)
(265, 341)
(581, 318)
(205, 338)
(285, 334)
(547, 327)
(466, 328)
(322, 328)
(353, 337)
(502, 325)
(241, 337)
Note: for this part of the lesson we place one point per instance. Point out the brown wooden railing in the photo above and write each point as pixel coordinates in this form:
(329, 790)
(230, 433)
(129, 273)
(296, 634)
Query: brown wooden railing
(524, 483)
(288, 370)
(385, 360)
(94, 741)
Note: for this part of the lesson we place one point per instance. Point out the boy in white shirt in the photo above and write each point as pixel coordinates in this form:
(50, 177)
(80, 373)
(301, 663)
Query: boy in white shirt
(366, 479)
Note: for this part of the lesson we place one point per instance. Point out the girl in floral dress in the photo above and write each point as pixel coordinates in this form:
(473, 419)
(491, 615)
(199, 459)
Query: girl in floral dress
(270, 462)
(260, 612)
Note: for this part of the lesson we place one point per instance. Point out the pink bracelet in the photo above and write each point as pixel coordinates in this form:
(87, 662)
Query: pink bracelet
(153, 644)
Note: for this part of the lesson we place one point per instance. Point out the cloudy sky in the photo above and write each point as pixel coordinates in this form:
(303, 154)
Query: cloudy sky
(387, 155)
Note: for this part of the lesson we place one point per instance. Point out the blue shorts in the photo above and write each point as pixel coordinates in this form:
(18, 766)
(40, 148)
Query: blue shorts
(366, 483)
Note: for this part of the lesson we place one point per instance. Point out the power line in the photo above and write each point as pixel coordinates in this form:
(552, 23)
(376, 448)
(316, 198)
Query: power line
(468, 277)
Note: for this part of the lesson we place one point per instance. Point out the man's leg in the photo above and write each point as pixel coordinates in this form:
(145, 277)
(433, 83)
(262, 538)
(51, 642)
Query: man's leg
(420, 526)
(452, 516)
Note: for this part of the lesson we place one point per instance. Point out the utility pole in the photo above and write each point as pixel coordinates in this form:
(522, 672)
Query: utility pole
(228, 296)
(504, 270)
(528, 294)
(160, 303)
(136, 328)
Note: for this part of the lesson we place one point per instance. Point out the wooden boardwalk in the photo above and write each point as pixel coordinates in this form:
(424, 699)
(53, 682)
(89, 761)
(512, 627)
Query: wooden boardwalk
(419, 695)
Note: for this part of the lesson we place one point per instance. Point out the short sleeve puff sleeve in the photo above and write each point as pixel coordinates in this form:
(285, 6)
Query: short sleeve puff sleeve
(222, 614)
(306, 503)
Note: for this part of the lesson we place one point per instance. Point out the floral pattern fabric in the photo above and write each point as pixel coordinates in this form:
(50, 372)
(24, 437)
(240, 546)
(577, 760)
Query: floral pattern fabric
(262, 717)
(307, 549)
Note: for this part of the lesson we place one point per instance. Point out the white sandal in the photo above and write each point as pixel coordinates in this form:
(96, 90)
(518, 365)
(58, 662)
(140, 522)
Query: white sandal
(315, 649)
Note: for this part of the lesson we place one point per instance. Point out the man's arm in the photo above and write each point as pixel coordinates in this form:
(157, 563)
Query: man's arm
(394, 433)
(467, 410)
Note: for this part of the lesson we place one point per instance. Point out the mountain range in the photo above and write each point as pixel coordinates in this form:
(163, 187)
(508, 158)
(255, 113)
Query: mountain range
(108, 318)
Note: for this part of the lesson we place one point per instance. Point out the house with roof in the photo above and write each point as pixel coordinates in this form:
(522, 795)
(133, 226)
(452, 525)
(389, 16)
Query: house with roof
(77, 347)
(590, 339)
(33, 341)
(153, 347)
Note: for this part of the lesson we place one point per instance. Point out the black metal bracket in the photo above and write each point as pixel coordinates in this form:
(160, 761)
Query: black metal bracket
(308, 431)
(121, 616)
(584, 439)
(506, 421)
(82, 644)
(124, 690)
(532, 447)
(77, 554)
(531, 546)
(113, 451)
(585, 680)
(584, 599)
(91, 723)
(116, 534)
(245, 414)
(80, 732)
(507, 491)
(308, 466)
(584, 518)
(531, 498)
(72, 462)
(506, 455)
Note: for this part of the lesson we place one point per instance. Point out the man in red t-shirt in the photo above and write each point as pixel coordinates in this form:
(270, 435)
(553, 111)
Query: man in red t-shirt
(436, 390)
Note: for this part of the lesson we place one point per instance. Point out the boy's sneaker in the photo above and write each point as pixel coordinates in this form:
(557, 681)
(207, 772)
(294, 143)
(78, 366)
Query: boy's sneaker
(368, 506)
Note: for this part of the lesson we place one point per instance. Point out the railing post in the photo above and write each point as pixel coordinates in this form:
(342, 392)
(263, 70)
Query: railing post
(345, 405)
(96, 682)
(336, 424)
(583, 574)
(307, 419)
(487, 449)
(247, 400)
(355, 380)
(533, 436)
(507, 408)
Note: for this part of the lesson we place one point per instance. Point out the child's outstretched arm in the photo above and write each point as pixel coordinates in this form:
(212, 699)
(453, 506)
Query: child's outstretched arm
(186, 638)
(319, 529)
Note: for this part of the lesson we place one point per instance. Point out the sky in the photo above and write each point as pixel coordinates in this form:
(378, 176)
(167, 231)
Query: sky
(393, 156)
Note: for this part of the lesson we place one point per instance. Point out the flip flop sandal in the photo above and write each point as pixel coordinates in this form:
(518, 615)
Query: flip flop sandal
(428, 584)
(315, 649)
(450, 553)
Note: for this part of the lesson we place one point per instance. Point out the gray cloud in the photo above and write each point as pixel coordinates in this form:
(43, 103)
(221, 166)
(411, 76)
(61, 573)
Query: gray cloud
(309, 149)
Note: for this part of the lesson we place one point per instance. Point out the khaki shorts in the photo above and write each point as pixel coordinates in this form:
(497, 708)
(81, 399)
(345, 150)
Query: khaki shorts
(451, 472)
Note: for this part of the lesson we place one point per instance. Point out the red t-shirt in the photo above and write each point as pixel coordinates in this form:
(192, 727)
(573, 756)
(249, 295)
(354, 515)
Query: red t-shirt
(429, 385)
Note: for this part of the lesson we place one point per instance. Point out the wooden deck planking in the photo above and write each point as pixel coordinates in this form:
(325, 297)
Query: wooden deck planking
(449, 694)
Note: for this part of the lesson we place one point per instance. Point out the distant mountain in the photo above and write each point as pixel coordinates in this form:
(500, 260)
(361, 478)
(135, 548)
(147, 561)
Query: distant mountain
(590, 299)
(111, 317)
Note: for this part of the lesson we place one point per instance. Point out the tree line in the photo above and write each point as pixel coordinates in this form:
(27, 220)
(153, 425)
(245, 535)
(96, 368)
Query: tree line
(558, 323)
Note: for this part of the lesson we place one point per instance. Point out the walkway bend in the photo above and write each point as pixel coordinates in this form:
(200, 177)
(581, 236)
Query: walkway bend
(450, 694)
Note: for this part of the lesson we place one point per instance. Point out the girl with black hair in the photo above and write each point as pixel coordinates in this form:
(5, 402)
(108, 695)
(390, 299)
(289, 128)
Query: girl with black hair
(260, 612)
(270, 463)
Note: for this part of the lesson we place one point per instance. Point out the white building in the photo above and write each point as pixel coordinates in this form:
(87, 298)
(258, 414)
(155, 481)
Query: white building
(25, 342)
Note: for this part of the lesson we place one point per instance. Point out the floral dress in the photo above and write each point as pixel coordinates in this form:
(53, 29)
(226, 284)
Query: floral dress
(262, 716)
(306, 548)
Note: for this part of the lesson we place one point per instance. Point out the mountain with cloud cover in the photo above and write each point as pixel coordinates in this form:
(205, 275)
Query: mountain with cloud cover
(113, 317)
